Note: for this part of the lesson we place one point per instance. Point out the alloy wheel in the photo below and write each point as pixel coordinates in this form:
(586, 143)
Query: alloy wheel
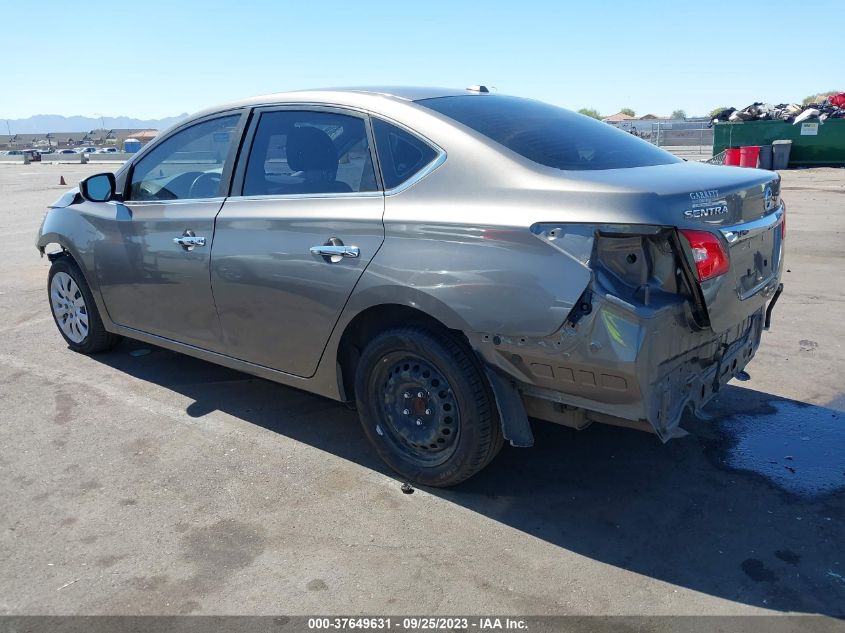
(69, 307)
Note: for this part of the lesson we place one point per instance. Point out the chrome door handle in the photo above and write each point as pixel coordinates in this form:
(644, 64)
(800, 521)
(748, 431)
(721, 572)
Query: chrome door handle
(330, 250)
(188, 240)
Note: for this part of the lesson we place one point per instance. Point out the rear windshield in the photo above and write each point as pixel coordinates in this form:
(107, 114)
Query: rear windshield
(550, 135)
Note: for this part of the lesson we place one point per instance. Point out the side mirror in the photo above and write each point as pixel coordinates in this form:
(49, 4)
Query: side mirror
(98, 188)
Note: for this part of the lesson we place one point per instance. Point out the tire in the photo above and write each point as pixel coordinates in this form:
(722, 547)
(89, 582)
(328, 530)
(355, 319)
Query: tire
(74, 310)
(426, 406)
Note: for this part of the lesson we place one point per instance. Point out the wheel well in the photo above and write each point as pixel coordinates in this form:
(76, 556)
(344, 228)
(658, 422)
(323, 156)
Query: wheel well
(369, 324)
(62, 252)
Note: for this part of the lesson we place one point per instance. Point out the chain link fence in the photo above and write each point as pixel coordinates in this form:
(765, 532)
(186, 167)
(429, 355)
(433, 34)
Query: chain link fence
(693, 139)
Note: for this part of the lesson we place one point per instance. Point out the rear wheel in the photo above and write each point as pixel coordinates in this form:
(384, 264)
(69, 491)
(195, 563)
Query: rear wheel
(74, 310)
(426, 406)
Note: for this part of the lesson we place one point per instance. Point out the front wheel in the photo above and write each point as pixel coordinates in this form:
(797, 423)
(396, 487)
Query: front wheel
(74, 310)
(426, 406)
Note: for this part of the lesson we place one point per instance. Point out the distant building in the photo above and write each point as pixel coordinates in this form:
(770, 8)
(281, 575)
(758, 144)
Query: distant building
(618, 118)
(21, 141)
(145, 136)
(115, 136)
(62, 140)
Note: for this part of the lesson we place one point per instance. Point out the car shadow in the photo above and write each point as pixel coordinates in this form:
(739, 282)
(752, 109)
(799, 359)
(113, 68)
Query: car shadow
(740, 509)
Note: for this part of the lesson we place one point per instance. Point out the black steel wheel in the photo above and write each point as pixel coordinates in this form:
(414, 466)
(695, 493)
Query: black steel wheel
(426, 406)
(419, 412)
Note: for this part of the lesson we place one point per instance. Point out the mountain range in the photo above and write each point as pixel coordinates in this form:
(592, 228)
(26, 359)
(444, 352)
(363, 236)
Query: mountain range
(43, 123)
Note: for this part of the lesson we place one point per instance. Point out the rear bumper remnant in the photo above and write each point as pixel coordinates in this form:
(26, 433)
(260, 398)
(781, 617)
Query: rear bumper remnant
(617, 366)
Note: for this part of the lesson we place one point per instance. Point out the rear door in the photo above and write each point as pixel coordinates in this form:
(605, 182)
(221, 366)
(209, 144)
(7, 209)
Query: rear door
(304, 220)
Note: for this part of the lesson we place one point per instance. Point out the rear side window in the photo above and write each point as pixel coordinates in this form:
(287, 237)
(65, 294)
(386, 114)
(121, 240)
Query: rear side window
(309, 152)
(549, 135)
(401, 154)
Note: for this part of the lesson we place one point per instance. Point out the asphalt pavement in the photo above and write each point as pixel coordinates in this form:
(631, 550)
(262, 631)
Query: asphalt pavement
(141, 481)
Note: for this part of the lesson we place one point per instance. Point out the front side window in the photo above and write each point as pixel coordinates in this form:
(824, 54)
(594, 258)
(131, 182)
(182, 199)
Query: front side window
(401, 154)
(188, 165)
(298, 152)
(549, 135)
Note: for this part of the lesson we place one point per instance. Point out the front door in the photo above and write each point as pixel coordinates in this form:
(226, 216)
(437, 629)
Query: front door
(289, 250)
(153, 265)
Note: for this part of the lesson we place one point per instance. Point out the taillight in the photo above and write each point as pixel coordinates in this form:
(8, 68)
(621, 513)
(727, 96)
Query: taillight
(711, 258)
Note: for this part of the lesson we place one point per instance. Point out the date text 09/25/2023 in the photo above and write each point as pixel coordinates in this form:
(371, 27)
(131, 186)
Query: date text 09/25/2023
(417, 623)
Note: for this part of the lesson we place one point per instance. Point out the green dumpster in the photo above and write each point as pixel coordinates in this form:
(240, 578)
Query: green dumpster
(813, 143)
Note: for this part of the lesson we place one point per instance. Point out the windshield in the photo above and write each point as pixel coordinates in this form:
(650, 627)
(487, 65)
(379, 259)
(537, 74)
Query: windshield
(549, 135)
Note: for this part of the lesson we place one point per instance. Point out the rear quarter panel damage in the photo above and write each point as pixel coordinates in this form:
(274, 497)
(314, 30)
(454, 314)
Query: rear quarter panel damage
(634, 347)
(519, 297)
(492, 279)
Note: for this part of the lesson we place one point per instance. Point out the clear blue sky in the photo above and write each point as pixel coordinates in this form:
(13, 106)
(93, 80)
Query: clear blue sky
(152, 59)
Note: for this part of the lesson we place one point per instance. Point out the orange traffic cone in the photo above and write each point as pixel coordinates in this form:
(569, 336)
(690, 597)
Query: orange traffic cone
(62, 180)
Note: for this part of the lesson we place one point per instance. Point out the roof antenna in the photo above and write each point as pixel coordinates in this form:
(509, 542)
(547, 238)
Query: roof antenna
(479, 89)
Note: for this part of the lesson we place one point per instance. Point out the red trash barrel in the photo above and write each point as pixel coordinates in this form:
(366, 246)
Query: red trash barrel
(732, 156)
(748, 156)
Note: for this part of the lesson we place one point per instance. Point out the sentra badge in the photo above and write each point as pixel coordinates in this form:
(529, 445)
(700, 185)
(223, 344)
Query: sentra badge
(706, 212)
(705, 205)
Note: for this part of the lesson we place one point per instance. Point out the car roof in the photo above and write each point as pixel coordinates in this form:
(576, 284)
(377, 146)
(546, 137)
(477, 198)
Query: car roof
(359, 96)
(402, 93)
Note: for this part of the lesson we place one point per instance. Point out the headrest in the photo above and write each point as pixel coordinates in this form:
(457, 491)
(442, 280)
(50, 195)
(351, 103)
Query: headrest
(311, 149)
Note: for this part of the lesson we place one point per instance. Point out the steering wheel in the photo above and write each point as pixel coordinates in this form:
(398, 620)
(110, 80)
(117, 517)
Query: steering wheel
(206, 185)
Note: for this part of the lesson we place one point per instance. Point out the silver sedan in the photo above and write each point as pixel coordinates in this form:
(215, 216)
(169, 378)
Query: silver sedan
(453, 262)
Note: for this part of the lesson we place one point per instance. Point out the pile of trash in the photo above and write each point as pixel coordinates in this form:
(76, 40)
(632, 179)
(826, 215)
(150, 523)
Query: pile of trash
(832, 107)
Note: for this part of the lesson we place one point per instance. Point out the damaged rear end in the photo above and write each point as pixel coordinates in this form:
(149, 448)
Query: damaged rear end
(675, 306)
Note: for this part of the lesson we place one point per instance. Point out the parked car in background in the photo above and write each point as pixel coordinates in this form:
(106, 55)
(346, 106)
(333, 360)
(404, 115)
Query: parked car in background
(32, 154)
(86, 150)
(66, 150)
(107, 150)
(15, 152)
(452, 262)
(46, 150)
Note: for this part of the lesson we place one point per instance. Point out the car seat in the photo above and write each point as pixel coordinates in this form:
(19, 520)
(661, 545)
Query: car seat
(311, 151)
